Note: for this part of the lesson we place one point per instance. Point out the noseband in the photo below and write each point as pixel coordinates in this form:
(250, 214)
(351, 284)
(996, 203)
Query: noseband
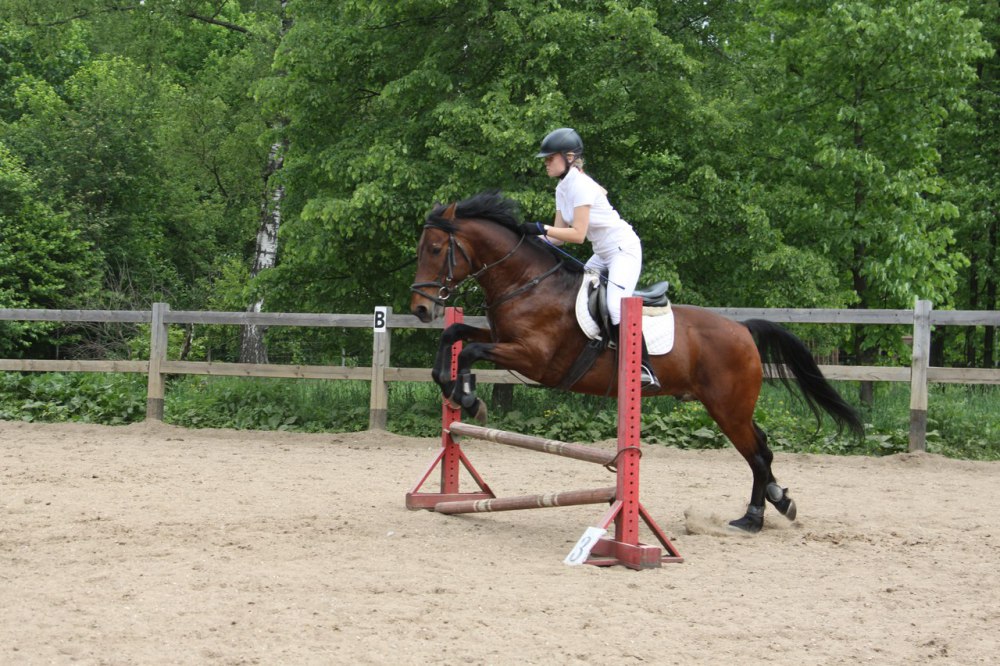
(446, 287)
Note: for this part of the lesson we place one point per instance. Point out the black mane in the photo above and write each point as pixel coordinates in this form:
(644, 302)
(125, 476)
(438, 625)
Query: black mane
(489, 205)
(493, 206)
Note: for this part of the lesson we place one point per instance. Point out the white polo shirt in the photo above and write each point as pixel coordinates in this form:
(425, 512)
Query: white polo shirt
(607, 231)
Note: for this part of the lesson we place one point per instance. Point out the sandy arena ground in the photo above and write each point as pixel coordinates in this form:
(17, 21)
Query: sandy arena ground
(155, 545)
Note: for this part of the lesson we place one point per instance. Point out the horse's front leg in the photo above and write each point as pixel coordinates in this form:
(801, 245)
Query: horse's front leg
(506, 355)
(464, 389)
(441, 372)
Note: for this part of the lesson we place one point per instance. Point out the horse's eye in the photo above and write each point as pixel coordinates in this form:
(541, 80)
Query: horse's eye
(436, 250)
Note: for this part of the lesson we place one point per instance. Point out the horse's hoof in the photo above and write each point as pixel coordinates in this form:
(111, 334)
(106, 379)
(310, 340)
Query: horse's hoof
(752, 521)
(778, 496)
(747, 524)
(451, 403)
(790, 511)
(481, 412)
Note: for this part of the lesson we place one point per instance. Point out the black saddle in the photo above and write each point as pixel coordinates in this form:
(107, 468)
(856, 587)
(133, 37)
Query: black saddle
(653, 296)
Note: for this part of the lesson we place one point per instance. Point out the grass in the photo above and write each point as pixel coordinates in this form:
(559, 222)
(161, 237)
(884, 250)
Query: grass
(963, 421)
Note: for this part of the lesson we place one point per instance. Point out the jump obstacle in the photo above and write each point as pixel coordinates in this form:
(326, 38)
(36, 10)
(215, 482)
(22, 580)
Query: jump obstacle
(625, 510)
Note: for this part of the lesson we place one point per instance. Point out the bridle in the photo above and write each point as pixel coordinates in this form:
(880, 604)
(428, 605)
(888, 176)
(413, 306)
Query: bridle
(447, 286)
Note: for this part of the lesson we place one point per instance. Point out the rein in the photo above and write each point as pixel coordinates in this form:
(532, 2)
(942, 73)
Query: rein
(447, 286)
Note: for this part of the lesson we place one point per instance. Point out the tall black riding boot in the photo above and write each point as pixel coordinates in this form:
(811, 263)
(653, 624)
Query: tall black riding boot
(648, 379)
(650, 384)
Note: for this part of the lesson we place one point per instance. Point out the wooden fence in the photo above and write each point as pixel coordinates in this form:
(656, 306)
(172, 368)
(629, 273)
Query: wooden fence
(381, 372)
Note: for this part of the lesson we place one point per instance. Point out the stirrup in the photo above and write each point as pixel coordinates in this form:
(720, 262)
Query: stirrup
(650, 383)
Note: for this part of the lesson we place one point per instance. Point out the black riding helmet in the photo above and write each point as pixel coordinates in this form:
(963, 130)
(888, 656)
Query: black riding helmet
(563, 140)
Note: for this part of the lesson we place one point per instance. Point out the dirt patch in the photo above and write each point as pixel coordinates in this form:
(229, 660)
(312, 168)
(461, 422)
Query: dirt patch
(156, 545)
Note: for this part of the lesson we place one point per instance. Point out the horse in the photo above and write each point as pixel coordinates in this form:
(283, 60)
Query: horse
(530, 293)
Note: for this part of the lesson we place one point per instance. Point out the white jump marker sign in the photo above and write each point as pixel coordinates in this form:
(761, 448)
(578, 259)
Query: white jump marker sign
(581, 551)
(381, 323)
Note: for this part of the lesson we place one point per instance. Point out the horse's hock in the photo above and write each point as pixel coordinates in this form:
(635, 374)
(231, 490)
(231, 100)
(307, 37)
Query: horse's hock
(625, 510)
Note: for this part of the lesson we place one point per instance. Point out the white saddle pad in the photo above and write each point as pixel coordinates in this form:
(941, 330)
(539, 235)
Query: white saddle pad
(657, 323)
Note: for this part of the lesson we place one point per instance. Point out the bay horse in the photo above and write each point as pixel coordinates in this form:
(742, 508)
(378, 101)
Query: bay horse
(530, 294)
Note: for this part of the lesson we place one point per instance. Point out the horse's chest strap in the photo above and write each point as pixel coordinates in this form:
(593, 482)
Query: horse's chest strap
(531, 284)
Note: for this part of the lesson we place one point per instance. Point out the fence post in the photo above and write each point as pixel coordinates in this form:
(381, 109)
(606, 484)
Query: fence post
(379, 409)
(918, 375)
(157, 355)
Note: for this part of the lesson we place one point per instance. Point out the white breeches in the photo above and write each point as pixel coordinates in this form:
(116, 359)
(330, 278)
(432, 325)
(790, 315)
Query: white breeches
(623, 267)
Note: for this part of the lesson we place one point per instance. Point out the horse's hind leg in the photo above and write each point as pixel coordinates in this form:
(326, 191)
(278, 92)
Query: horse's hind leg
(774, 493)
(751, 442)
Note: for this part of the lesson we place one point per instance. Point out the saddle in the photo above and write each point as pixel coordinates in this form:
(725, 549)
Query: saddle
(653, 296)
(592, 306)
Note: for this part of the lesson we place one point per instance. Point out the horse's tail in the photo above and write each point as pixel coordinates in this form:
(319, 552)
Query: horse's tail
(783, 353)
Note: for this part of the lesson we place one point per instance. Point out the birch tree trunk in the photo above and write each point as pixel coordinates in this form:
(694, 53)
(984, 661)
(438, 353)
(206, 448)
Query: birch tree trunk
(252, 345)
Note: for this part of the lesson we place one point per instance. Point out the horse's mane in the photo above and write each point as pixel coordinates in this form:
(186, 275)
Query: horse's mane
(493, 206)
(490, 205)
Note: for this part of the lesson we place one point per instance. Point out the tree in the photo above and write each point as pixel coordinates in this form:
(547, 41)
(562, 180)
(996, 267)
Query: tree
(969, 161)
(139, 119)
(394, 106)
(861, 94)
(44, 261)
(252, 349)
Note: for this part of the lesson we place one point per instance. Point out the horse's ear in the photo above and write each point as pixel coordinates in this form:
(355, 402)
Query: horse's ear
(449, 213)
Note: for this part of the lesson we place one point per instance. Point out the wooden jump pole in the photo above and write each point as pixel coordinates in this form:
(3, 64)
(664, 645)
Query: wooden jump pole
(626, 512)
(555, 447)
(544, 501)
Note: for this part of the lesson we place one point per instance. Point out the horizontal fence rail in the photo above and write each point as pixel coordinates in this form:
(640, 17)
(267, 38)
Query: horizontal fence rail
(919, 373)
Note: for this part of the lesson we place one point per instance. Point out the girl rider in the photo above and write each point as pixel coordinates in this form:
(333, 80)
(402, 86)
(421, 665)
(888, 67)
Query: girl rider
(583, 212)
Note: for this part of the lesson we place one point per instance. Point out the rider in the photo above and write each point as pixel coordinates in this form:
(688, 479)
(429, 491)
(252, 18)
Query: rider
(583, 212)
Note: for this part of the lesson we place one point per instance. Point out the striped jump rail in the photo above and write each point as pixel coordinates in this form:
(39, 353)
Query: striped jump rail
(555, 447)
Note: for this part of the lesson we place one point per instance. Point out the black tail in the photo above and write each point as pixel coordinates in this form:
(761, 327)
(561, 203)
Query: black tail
(783, 353)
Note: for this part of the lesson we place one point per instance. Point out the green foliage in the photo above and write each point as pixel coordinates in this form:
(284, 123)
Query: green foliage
(775, 153)
(85, 397)
(961, 421)
(139, 127)
(254, 404)
(43, 258)
(971, 143)
(860, 93)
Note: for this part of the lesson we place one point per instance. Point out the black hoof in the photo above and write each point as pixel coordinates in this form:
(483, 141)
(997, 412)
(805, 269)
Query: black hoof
(779, 497)
(479, 412)
(752, 522)
(787, 507)
(748, 524)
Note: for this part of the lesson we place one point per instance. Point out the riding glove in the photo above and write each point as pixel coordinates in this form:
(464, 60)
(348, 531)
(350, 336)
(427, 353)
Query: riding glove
(533, 229)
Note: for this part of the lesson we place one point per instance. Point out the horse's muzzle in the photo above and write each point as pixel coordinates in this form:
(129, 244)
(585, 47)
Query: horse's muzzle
(422, 312)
